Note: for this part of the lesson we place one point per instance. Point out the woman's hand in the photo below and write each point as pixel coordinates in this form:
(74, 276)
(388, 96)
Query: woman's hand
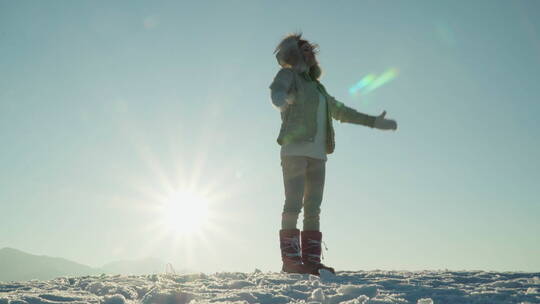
(384, 124)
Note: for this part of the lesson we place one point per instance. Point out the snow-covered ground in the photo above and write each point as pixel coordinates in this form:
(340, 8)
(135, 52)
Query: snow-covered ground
(259, 287)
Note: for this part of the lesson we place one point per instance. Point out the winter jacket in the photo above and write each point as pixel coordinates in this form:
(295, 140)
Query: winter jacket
(317, 148)
(295, 94)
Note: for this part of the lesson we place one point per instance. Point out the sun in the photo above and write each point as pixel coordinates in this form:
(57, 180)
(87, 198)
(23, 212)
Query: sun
(185, 212)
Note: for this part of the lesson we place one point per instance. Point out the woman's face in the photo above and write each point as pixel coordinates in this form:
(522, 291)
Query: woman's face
(309, 54)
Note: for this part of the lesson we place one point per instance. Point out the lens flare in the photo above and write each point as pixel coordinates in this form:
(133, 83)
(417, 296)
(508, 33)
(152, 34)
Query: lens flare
(372, 82)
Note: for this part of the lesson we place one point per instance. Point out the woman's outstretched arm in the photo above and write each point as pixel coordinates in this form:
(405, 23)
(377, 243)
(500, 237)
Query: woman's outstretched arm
(342, 113)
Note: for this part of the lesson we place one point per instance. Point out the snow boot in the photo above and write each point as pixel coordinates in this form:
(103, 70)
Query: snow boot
(311, 252)
(289, 240)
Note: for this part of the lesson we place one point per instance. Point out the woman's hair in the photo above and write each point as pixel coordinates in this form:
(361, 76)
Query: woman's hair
(289, 55)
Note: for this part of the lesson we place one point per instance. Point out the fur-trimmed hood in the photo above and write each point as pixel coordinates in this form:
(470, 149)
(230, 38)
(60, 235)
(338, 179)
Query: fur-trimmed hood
(289, 55)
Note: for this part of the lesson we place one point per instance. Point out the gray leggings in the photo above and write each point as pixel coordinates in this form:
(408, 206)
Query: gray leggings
(303, 178)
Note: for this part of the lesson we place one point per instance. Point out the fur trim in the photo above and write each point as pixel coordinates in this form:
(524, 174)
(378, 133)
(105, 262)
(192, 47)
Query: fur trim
(289, 55)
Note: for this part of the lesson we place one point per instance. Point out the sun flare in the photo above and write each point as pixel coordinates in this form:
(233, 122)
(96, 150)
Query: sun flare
(185, 212)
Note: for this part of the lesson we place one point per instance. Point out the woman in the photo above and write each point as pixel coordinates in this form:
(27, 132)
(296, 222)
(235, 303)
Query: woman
(306, 136)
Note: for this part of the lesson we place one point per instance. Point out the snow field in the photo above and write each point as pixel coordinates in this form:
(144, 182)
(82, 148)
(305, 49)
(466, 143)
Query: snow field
(348, 287)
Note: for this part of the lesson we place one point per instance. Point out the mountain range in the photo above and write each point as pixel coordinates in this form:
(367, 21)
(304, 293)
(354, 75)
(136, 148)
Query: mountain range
(16, 265)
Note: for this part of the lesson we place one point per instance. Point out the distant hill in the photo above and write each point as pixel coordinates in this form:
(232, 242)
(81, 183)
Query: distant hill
(136, 267)
(16, 265)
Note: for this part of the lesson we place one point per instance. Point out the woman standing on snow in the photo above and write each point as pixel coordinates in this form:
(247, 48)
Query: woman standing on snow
(306, 136)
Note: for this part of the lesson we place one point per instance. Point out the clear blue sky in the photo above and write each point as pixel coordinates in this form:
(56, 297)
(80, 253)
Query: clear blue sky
(104, 106)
